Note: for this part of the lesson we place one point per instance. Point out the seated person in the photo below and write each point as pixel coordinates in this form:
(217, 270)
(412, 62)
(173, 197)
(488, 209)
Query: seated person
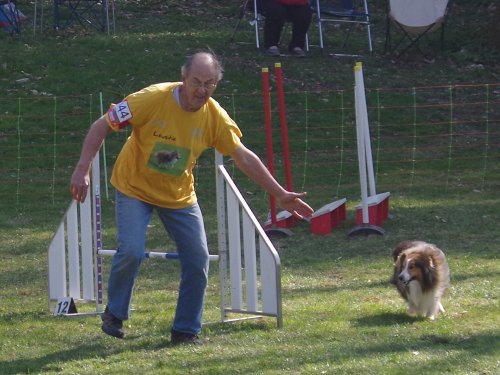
(276, 13)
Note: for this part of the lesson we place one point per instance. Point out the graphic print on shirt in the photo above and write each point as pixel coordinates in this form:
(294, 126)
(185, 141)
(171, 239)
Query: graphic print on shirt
(168, 159)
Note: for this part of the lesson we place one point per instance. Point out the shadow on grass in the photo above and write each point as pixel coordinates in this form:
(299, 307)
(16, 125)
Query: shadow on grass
(97, 349)
(265, 324)
(101, 348)
(385, 319)
(485, 343)
(13, 317)
(36, 365)
(459, 348)
(481, 344)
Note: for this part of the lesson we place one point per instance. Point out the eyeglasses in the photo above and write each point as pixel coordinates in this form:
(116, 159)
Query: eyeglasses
(209, 86)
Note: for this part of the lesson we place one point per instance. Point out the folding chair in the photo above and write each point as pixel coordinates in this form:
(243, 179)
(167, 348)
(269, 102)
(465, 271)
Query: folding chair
(251, 7)
(349, 12)
(414, 21)
(93, 13)
(11, 17)
(256, 16)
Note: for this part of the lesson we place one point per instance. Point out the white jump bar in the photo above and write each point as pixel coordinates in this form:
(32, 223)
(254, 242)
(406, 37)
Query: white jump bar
(156, 254)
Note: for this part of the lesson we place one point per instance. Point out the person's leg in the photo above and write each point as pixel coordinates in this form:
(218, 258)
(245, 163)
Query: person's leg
(275, 17)
(132, 218)
(187, 229)
(300, 17)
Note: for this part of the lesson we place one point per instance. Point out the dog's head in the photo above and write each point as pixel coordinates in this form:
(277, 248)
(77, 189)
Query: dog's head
(167, 157)
(396, 253)
(416, 266)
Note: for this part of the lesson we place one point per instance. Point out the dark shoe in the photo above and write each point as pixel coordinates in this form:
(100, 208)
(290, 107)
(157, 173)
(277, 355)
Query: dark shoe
(178, 338)
(299, 52)
(111, 325)
(273, 51)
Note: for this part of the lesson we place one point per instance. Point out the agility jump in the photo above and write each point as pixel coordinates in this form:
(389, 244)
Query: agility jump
(248, 289)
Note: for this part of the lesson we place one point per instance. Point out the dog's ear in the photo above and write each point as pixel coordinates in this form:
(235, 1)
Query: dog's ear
(400, 247)
(398, 263)
(395, 253)
(428, 272)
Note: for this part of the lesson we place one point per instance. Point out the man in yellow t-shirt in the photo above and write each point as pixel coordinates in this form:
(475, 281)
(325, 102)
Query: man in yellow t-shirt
(172, 124)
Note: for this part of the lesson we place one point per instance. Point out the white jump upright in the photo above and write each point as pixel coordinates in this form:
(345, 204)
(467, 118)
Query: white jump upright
(373, 209)
(247, 288)
(71, 256)
(74, 265)
(242, 241)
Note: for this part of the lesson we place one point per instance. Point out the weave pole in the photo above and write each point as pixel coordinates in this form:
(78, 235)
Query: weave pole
(277, 223)
(283, 125)
(269, 136)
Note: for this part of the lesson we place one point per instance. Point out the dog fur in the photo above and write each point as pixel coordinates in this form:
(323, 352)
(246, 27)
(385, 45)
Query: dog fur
(167, 160)
(421, 276)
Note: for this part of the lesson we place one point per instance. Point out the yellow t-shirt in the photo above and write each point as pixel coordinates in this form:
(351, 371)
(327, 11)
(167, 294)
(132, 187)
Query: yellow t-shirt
(156, 162)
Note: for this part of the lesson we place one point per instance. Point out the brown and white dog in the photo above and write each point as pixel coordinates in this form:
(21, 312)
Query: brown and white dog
(421, 276)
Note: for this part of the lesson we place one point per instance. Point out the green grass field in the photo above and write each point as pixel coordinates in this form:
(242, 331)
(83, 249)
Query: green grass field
(435, 130)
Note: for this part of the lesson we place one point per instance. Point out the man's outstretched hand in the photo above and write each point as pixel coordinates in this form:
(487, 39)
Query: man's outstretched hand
(293, 203)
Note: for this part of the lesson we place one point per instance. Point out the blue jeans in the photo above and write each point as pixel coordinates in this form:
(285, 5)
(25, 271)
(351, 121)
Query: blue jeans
(186, 228)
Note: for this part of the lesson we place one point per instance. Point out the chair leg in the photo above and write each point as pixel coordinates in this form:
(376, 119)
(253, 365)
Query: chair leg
(283, 33)
(320, 32)
(347, 34)
(442, 37)
(254, 21)
(414, 41)
(368, 27)
(243, 9)
(387, 44)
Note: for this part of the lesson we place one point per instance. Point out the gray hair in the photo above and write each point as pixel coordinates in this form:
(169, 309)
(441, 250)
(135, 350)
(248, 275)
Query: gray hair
(185, 69)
